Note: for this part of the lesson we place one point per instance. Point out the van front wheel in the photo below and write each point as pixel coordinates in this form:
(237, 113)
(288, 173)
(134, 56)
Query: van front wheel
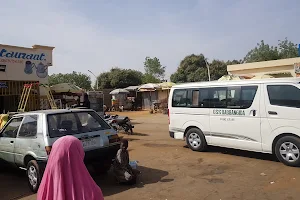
(287, 150)
(195, 140)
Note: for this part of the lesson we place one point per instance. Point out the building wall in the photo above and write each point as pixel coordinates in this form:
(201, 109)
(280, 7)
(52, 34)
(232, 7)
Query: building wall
(162, 94)
(265, 67)
(25, 64)
(269, 70)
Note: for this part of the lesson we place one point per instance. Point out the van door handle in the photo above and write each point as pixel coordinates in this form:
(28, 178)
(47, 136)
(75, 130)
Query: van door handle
(253, 112)
(11, 142)
(272, 113)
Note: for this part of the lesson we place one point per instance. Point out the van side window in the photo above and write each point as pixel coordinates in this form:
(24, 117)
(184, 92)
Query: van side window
(193, 98)
(218, 97)
(179, 98)
(237, 97)
(284, 95)
(29, 126)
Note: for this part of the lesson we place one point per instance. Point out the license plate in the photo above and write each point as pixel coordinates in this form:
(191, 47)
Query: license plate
(88, 143)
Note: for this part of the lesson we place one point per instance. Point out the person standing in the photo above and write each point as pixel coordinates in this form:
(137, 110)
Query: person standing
(66, 176)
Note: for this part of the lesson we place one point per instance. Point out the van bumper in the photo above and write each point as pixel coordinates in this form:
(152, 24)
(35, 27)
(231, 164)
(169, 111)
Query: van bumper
(171, 134)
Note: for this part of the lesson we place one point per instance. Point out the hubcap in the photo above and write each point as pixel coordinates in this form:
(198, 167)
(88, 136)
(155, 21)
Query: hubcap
(194, 140)
(32, 176)
(289, 152)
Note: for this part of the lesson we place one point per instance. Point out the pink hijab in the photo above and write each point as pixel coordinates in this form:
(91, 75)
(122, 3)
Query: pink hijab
(66, 177)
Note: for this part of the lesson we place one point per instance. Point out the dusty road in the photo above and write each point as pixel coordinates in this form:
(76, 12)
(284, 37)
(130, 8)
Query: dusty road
(172, 171)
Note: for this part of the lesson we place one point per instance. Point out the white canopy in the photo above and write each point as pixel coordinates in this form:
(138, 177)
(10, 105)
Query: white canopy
(149, 87)
(119, 91)
(65, 88)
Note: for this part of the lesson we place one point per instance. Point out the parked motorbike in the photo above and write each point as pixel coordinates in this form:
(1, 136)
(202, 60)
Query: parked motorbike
(120, 123)
(112, 123)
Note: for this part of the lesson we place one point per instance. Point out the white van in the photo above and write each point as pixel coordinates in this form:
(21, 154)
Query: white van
(254, 115)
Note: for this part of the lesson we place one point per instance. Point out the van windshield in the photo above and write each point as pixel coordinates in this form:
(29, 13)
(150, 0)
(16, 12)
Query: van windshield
(73, 123)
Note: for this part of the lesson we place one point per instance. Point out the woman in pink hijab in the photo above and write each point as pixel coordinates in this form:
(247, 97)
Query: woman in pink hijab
(66, 177)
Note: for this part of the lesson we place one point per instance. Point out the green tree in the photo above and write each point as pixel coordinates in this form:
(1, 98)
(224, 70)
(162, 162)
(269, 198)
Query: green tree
(119, 78)
(77, 78)
(154, 71)
(193, 68)
(265, 52)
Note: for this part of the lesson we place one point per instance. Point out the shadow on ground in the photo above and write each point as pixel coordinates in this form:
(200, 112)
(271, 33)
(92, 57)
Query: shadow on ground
(241, 153)
(139, 134)
(148, 176)
(13, 183)
(133, 134)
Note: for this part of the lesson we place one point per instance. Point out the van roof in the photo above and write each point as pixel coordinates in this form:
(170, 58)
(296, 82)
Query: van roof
(233, 82)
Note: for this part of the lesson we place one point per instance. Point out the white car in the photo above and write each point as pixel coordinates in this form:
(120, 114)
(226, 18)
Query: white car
(27, 138)
(254, 115)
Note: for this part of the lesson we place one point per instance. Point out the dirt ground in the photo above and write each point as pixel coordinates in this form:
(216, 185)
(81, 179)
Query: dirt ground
(171, 171)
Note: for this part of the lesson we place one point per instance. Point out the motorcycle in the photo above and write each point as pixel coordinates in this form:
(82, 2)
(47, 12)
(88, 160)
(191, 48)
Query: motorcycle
(120, 123)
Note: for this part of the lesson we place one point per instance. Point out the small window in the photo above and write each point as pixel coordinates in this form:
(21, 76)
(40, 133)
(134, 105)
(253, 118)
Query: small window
(29, 126)
(284, 95)
(247, 96)
(204, 98)
(193, 98)
(179, 98)
(11, 130)
(218, 97)
(233, 97)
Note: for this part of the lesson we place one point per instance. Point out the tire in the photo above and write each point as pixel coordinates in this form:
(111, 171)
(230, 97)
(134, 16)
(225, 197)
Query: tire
(195, 140)
(287, 150)
(33, 175)
(127, 128)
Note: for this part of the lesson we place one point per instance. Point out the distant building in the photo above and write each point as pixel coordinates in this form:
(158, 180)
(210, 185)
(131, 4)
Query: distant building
(19, 66)
(290, 66)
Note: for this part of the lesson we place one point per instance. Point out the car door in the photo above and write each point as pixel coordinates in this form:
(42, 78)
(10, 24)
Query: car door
(8, 139)
(26, 140)
(235, 117)
(282, 102)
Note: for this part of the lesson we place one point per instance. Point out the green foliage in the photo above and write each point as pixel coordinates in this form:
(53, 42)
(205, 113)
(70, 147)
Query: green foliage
(149, 78)
(154, 71)
(76, 78)
(265, 52)
(193, 68)
(119, 78)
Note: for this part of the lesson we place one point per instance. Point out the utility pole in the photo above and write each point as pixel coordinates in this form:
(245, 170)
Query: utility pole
(95, 78)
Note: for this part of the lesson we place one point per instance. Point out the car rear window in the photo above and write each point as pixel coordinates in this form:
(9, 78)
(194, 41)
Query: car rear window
(73, 123)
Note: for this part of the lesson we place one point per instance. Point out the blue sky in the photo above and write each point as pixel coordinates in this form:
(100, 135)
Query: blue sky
(100, 34)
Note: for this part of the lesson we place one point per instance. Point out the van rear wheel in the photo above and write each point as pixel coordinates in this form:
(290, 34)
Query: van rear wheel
(195, 139)
(287, 150)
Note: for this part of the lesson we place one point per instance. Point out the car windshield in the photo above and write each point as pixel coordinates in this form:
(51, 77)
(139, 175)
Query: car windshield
(73, 123)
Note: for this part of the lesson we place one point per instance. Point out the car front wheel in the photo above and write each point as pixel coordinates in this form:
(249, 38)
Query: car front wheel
(33, 176)
(287, 150)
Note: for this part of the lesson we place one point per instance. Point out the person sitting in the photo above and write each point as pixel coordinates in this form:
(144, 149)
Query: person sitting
(121, 168)
(66, 177)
